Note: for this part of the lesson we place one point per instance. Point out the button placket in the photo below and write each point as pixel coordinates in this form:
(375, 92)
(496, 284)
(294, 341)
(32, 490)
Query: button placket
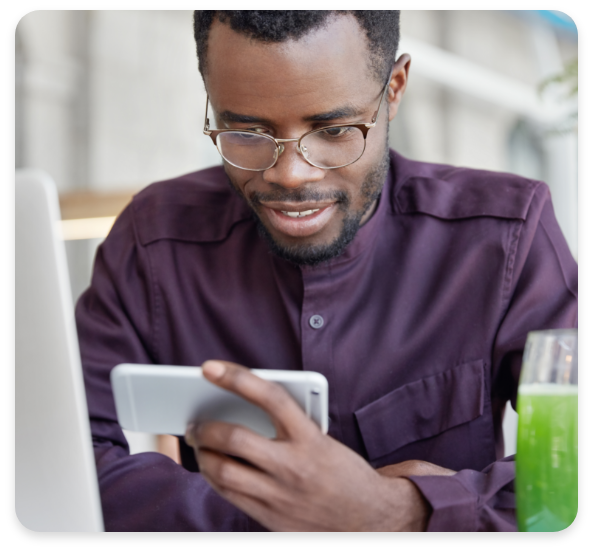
(317, 340)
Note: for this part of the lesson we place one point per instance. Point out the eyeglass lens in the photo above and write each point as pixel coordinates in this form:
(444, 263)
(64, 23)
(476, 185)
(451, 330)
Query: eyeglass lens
(333, 147)
(246, 150)
(326, 148)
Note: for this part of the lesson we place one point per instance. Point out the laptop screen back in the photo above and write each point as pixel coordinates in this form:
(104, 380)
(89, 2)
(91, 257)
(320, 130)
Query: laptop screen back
(56, 481)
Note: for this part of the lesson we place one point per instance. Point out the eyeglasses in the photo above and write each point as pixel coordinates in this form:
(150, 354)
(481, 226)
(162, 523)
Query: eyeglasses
(329, 147)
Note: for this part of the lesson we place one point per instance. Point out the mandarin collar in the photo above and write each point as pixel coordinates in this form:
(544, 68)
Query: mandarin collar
(366, 236)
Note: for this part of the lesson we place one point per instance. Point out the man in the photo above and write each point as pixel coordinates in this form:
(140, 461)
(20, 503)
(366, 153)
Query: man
(410, 286)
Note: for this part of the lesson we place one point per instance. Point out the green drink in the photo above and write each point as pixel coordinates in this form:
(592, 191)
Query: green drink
(546, 460)
(546, 478)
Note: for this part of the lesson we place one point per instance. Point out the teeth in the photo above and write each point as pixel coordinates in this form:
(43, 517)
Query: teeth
(298, 214)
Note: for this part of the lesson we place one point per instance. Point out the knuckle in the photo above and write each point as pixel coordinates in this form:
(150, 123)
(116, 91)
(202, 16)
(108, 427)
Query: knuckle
(236, 438)
(298, 475)
(296, 478)
(307, 475)
(224, 474)
(234, 375)
(277, 396)
(203, 434)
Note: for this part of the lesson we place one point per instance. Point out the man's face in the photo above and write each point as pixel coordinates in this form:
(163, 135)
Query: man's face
(287, 89)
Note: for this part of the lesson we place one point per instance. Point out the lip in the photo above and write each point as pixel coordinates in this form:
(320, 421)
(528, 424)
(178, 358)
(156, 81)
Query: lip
(302, 226)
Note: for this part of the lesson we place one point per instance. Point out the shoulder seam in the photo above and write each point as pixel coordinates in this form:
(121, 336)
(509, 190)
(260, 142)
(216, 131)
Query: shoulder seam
(557, 257)
(198, 241)
(515, 236)
(513, 244)
(405, 201)
(155, 303)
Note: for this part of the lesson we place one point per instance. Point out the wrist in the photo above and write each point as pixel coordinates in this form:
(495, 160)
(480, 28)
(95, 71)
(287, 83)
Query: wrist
(409, 509)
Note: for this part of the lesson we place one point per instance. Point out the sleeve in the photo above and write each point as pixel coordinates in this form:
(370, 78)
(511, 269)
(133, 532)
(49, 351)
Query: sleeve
(539, 292)
(115, 322)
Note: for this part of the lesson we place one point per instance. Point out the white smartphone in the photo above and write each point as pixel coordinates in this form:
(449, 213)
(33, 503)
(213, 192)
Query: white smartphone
(164, 399)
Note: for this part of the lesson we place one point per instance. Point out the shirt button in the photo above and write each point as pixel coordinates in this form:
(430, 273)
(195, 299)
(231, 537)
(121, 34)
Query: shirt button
(316, 321)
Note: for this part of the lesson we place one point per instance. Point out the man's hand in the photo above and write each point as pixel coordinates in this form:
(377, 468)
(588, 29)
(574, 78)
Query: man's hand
(302, 480)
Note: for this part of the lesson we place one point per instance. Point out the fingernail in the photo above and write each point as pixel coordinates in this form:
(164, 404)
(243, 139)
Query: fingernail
(214, 369)
(189, 434)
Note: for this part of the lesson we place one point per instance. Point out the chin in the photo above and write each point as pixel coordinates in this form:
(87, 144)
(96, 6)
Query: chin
(312, 254)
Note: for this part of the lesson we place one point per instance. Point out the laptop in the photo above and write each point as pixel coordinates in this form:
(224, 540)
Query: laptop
(56, 485)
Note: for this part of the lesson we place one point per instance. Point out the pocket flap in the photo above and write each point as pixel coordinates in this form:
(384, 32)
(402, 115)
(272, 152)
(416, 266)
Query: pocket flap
(422, 409)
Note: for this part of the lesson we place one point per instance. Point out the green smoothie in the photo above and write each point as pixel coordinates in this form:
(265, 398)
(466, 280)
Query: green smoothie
(546, 460)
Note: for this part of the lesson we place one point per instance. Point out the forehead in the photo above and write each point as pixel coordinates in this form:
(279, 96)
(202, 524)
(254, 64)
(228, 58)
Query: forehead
(328, 66)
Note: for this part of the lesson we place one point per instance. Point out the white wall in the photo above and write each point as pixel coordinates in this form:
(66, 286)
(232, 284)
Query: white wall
(51, 80)
(112, 100)
(473, 79)
(147, 99)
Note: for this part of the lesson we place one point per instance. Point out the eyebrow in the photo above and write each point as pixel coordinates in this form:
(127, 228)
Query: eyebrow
(231, 117)
(339, 113)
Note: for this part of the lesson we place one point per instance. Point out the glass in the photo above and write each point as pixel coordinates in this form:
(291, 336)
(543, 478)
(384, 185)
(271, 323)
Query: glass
(329, 147)
(546, 460)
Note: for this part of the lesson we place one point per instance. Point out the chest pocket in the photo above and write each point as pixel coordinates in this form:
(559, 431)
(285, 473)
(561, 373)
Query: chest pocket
(423, 409)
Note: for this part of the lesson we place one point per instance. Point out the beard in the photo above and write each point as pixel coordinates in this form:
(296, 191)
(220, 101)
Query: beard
(313, 255)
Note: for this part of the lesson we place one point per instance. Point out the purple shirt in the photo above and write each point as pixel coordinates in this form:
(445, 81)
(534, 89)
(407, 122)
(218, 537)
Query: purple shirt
(425, 317)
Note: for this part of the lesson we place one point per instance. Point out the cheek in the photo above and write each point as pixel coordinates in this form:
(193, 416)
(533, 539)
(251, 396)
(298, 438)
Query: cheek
(377, 139)
(239, 179)
(376, 148)
(376, 144)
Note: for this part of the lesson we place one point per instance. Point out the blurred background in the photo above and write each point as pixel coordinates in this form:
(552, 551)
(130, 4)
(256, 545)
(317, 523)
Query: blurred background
(108, 102)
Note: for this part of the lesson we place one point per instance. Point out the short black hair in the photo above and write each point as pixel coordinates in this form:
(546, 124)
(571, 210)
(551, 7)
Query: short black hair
(381, 28)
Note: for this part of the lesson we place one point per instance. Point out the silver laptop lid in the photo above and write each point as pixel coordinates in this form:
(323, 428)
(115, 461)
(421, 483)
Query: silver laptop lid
(56, 481)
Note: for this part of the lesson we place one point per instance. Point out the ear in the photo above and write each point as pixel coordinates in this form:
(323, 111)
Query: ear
(398, 83)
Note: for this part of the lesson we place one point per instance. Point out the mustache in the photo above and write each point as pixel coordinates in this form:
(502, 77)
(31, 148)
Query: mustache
(298, 196)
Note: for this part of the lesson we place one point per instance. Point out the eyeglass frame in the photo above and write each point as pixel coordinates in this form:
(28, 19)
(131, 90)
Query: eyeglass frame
(363, 127)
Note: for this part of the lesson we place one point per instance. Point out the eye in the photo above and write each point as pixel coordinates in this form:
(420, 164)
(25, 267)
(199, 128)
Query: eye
(249, 137)
(336, 132)
(259, 130)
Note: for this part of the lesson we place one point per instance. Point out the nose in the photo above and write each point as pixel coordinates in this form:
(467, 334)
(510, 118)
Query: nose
(291, 170)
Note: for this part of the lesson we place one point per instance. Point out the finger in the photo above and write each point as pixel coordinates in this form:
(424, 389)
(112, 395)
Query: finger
(227, 475)
(238, 441)
(286, 414)
(413, 467)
